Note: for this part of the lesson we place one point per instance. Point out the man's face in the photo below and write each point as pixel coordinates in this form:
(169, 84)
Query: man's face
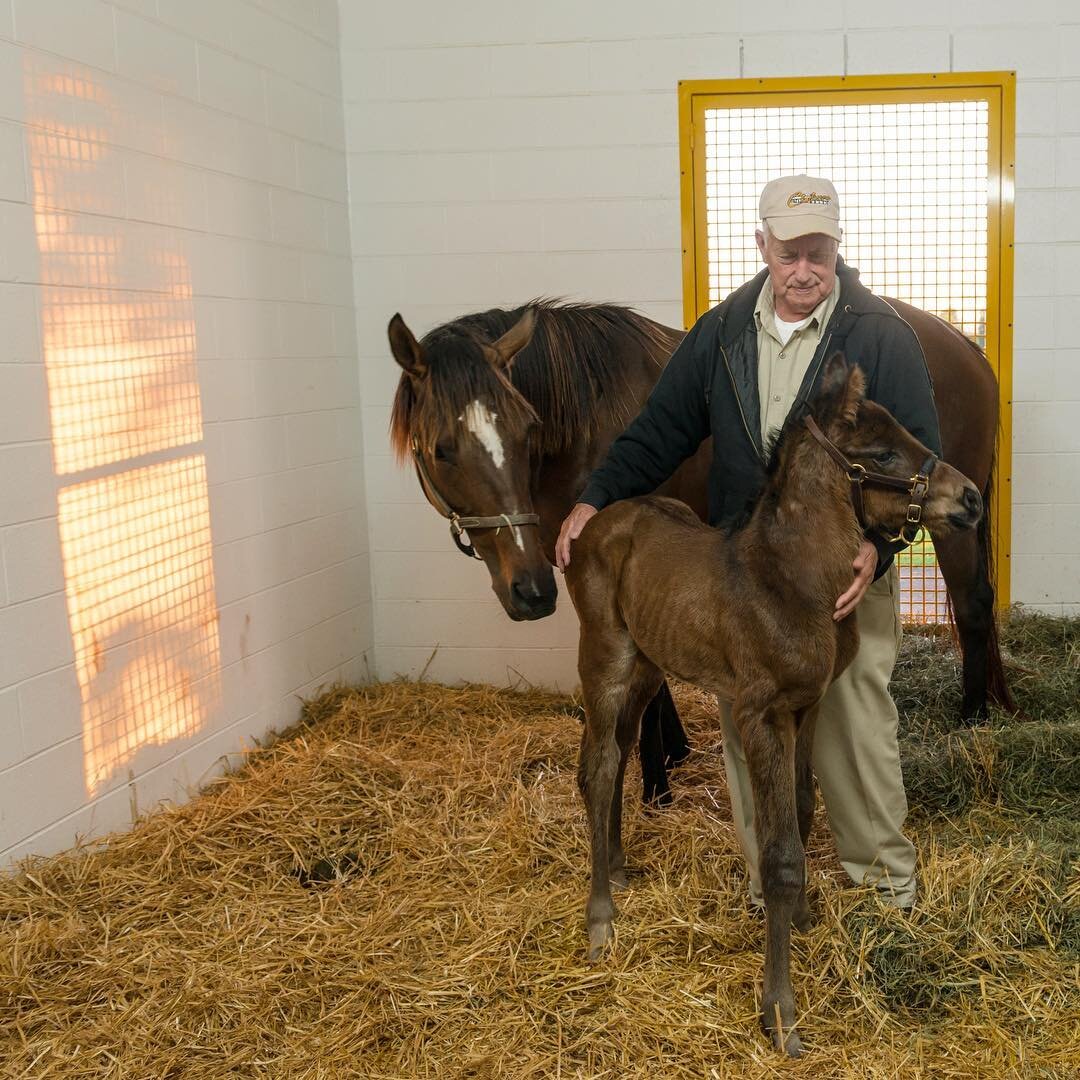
(802, 271)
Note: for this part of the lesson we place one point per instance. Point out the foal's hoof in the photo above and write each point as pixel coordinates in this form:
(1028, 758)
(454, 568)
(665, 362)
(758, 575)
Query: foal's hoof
(600, 935)
(792, 1044)
(784, 1037)
(618, 879)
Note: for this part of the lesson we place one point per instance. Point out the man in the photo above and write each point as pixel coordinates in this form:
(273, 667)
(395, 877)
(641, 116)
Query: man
(736, 376)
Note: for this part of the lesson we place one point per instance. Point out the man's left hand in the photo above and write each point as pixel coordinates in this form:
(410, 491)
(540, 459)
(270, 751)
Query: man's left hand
(864, 566)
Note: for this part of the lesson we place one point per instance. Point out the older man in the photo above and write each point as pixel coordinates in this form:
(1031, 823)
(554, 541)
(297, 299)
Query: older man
(736, 376)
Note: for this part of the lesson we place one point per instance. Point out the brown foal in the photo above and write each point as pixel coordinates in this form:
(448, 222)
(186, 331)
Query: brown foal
(747, 614)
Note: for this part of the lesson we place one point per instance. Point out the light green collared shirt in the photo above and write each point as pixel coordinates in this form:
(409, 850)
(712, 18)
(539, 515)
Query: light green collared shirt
(781, 367)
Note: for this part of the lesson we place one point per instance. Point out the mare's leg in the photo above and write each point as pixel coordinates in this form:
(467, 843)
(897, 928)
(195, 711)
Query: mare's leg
(768, 737)
(663, 746)
(654, 778)
(964, 569)
(642, 688)
(672, 733)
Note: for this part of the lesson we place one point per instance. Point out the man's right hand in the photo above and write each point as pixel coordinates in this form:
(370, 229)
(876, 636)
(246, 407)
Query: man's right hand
(570, 531)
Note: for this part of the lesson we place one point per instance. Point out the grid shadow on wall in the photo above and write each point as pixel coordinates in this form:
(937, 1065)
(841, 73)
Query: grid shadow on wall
(918, 168)
(118, 336)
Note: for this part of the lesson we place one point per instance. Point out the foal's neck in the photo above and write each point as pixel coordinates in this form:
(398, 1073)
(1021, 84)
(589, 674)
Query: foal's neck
(806, 523)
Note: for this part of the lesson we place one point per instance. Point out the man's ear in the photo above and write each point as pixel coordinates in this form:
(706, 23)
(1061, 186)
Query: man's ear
(406, 349)
(501, 353)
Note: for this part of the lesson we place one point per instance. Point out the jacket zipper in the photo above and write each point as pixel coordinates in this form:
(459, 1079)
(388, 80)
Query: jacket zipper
(738, 401)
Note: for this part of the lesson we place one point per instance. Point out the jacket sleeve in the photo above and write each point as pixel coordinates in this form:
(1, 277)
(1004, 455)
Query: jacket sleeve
(902, 384)
(670, 427)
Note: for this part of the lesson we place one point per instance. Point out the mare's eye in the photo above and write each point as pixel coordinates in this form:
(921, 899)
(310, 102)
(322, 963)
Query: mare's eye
(444, 452)
(886, 457)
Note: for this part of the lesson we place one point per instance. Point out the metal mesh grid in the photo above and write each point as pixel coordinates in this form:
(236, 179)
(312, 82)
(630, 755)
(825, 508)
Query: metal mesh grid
(140, 591)
(912, 181)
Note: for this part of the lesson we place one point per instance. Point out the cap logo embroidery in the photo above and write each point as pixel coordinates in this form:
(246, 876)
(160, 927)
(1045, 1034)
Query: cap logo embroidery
(798, 198)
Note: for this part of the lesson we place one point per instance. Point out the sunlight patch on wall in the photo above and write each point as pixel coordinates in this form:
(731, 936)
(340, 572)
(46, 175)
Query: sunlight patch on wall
(140, 584)
(118, 335)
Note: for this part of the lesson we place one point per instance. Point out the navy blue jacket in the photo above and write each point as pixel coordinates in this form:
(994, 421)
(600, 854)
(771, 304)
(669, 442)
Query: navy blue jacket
(710, 387)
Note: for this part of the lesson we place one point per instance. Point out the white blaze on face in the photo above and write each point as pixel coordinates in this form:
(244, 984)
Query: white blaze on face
(481, 423)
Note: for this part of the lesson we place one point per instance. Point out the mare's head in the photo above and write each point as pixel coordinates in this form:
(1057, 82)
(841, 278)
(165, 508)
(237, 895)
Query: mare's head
(475, 435)
(869, 436)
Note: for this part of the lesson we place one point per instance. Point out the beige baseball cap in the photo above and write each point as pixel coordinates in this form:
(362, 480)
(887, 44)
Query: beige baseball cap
(799, 205)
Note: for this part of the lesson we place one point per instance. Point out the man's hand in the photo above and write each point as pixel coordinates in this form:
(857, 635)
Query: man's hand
(570, 531)
(864, 566)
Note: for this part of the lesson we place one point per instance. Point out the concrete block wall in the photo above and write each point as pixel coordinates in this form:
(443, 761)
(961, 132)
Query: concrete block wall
(497, 153)
(200, 145)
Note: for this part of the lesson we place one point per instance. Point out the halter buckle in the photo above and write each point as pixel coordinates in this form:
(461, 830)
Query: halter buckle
(856, 473)
(914, 513)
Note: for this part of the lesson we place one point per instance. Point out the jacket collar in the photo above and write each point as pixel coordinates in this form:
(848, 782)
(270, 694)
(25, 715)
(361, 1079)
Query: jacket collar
(738, 309)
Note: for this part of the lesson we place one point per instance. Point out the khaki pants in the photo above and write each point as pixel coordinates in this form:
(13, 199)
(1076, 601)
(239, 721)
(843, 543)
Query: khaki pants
(856, 760)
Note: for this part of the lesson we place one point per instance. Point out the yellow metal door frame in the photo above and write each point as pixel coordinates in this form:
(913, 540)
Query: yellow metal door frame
(998, 90)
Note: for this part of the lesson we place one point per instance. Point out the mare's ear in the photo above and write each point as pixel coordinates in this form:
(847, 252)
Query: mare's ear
(513, 341)
(843, 388)
(406, 349)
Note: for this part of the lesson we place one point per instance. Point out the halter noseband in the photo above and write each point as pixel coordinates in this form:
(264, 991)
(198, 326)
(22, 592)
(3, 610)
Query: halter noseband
(458, 524)
(917, 486)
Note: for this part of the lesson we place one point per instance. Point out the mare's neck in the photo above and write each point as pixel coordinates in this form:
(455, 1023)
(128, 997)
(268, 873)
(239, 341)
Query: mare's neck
(804, 526)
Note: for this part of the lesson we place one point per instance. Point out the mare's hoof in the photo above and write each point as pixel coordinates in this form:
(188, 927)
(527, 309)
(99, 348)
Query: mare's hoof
(656, 799)
(600, 936)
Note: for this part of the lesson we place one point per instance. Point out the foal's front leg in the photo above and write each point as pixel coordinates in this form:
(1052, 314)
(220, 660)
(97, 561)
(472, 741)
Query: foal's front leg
(805, 797)
(768, 738)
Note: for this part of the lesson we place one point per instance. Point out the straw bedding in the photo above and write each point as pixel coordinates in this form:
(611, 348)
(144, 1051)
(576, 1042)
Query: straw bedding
(395, 888)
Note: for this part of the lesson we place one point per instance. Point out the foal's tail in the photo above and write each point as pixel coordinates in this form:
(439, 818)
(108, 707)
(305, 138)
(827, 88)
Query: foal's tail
(997, 687)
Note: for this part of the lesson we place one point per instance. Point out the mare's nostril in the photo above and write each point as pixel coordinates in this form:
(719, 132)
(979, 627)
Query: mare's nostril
(972, 501)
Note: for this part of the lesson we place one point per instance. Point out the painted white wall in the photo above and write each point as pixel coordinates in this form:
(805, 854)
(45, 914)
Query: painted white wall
(500, 151)
(224, 148)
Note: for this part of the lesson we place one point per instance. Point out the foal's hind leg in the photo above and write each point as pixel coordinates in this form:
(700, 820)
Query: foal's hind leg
(768, 737)
(609, 692)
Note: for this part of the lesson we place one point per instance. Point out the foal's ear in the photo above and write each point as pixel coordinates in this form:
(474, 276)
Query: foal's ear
(843, 388)
(514, 340)
(406, 349)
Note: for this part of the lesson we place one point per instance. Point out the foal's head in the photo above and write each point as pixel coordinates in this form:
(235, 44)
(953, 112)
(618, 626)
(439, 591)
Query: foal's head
(868, 435)
(475, 434)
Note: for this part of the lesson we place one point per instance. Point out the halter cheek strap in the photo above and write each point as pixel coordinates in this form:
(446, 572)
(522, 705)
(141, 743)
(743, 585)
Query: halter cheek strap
(917, 486)
(459, 526)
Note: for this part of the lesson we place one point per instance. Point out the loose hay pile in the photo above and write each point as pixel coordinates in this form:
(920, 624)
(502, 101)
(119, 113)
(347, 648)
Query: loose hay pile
(397, 890)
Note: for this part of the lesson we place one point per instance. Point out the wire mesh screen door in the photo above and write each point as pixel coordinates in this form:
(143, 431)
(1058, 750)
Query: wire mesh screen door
(918, 172)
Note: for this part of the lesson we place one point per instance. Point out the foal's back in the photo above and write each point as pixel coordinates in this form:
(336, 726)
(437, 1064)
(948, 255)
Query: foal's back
(697, 602)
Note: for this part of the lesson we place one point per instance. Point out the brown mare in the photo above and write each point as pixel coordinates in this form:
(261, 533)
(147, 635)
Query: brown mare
(747, 615)
(507, 413)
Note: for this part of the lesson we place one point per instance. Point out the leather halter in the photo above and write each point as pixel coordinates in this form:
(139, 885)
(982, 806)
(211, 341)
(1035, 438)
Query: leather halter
(917, 486)
(458, 524)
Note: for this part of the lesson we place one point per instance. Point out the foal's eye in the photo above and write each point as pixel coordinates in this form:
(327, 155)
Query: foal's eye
(886, 457)
(444, 452)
